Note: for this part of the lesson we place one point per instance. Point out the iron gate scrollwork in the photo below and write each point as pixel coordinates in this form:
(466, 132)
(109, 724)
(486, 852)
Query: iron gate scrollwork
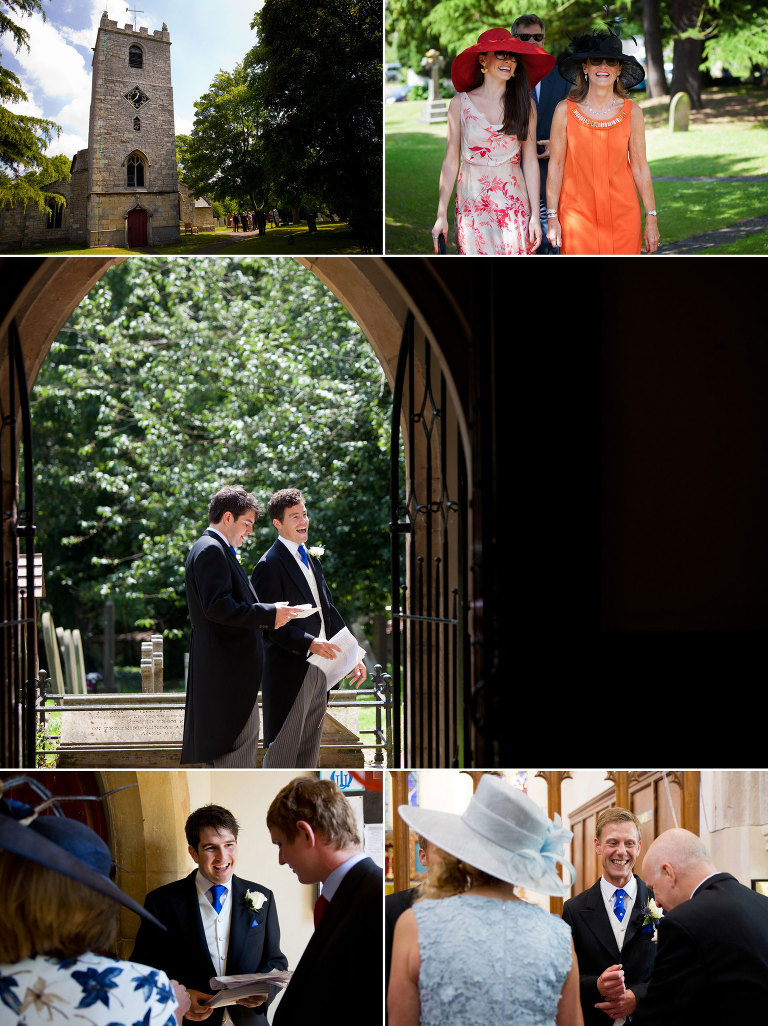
(18, 623)
(430, 637)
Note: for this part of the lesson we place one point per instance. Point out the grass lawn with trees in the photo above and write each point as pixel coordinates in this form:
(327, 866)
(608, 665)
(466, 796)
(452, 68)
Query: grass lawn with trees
(727, 138)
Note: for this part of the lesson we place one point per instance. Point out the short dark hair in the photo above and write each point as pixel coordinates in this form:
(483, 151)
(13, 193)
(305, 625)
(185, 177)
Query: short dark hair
(526, 19)
(322, 804)
(233, 499)
(281, 501)
(215, 816)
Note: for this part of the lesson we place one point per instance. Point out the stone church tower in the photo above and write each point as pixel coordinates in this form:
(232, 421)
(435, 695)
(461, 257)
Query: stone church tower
(133, 189)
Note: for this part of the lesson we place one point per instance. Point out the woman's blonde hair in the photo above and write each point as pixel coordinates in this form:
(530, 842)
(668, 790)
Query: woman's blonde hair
(581, 88)
(46, 913)
(447, 875)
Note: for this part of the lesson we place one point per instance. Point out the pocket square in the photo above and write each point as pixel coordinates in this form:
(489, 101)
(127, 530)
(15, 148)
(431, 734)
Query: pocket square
(254, 923)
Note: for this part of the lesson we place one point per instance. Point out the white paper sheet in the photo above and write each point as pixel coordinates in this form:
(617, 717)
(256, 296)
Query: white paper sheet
(351, 654)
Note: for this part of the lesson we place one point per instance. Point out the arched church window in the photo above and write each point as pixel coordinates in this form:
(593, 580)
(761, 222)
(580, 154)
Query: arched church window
(53, 214)
(135, 57)
(136, 175)
(137, 124)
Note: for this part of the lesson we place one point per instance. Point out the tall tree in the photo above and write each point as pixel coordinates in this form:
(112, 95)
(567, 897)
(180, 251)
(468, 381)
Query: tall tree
(25, 169)
(223, 156)
(688, 18)
(174, 378)
(318, 70)
(655, 78)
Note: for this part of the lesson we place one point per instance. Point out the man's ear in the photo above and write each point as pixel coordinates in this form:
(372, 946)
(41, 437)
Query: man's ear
(193, 853)
(305, 829)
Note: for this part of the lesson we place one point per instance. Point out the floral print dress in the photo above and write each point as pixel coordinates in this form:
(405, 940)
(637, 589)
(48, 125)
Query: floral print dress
(491, 197)
(91, 990)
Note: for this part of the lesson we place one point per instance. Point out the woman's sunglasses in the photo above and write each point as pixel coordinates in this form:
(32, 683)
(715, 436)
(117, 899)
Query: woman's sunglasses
(525, 37)
(612, 62)
(504, 55)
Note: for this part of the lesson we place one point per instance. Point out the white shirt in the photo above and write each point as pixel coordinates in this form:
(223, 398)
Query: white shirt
(309, 574)
(619, 928)
(215, 927)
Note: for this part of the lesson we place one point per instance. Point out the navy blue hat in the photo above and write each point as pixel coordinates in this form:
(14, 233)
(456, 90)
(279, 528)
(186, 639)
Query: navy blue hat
(66, 846)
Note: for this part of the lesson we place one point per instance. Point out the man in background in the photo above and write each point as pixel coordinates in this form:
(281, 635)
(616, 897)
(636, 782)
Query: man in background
(529, 28)
(314, 828)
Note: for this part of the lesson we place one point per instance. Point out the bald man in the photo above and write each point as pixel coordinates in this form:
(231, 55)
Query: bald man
(712, 961)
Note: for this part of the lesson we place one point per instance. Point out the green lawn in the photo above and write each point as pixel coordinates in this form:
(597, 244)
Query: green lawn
(331, 237)
(728, 138)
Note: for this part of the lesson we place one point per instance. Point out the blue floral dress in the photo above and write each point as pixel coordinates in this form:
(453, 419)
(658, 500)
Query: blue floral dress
(487, 961)
(91, 990)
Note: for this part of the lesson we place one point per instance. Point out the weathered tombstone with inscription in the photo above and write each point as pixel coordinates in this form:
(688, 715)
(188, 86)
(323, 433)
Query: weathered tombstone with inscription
(679, 112)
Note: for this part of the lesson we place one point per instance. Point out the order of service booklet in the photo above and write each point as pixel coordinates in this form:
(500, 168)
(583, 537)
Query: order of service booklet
(230, 989)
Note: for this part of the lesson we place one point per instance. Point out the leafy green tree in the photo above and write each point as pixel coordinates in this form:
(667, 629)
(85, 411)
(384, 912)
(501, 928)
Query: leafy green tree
(318, 71)
(223, 156)
(173, 378)
(25, 170)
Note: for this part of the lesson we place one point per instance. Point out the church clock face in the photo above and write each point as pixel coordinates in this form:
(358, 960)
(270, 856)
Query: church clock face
(136, 97)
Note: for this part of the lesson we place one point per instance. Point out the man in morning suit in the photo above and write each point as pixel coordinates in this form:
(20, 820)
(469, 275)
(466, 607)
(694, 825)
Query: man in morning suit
(548, 93)
(614, 950)
(221, 718)
(294, 692)
(314, 828)
(214, 927)
(712, 960)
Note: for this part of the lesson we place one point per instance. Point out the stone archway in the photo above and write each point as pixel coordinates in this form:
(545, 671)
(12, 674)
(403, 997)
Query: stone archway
(380, 294)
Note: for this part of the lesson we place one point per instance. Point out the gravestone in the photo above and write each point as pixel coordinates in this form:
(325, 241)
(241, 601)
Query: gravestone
(435, 109)
(52, 653)
(79, 662)
(679, 112)
(123, 731)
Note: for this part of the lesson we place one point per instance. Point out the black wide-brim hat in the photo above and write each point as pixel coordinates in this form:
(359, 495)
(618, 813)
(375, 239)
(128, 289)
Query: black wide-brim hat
(65, 846)
(600, 44)
(465, 70)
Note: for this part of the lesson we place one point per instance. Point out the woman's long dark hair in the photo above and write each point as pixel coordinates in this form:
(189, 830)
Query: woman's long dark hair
(517, 101)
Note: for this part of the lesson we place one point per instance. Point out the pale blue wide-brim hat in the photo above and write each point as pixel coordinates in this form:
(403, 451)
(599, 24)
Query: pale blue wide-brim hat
(503, 833)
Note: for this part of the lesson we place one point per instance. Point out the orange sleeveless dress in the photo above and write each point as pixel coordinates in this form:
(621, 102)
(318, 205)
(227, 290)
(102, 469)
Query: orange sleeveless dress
(599, 207)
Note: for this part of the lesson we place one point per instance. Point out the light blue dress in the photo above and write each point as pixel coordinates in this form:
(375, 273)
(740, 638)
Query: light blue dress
(485, 962)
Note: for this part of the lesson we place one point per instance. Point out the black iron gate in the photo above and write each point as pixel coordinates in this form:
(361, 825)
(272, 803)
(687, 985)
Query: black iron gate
(430, 606)
(18, 626)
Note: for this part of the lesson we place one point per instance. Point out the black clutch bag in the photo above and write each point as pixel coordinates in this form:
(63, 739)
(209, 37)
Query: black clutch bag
(441, 243)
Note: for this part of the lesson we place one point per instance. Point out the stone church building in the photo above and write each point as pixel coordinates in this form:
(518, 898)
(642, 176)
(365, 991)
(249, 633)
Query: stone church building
(124, 189)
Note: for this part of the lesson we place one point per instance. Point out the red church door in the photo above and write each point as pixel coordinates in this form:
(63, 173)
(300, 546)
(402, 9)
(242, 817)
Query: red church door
(137, 228)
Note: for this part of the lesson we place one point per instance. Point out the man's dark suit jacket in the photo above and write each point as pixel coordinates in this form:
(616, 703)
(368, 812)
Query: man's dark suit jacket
(596, 947)
(278, 575)
(712, 961)
(394, 906)
(182, 952)
(554, 88)
(226, 651)
(341, 966)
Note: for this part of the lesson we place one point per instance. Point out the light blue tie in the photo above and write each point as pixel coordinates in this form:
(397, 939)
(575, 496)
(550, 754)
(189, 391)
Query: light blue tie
(304, 556)
(618, 909)
(217, 893)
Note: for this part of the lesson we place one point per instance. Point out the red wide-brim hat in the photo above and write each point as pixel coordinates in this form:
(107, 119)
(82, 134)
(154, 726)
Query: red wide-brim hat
(464, 69)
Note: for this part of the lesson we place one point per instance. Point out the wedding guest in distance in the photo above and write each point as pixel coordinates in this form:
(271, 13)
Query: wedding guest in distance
(215, 923)
(712, 961)
(614, 944)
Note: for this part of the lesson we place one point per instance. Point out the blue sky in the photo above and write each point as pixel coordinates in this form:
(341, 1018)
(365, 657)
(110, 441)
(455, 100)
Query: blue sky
(206, 36)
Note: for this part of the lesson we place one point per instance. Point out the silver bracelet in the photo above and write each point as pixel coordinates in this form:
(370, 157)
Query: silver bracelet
(648, 213)
(551, 213)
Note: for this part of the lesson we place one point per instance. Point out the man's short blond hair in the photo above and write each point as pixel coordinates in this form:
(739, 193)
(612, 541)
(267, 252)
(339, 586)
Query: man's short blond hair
(616, 815)
(322, 804)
